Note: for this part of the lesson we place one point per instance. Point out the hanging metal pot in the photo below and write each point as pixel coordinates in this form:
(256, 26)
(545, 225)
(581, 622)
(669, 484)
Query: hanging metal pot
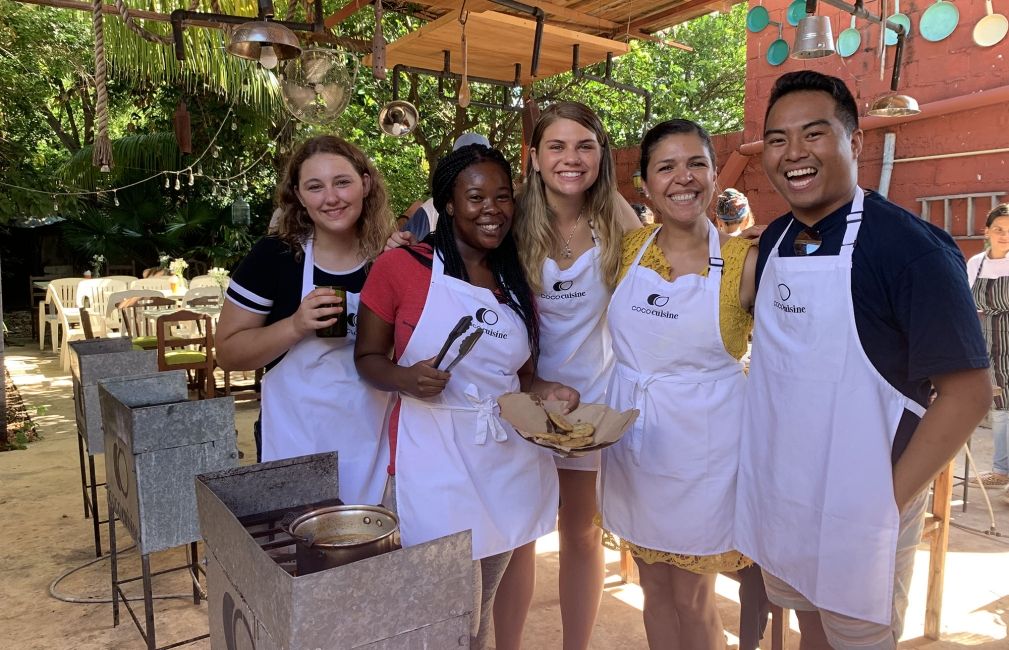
(796, 12)
(991, 29)
(777, 52)
(938, 21)
(757, 18)
(900, 19)
(849, 40)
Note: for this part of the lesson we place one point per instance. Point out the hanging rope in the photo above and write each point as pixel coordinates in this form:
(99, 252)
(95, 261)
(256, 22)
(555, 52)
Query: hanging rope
(102, 149)
(131, 24)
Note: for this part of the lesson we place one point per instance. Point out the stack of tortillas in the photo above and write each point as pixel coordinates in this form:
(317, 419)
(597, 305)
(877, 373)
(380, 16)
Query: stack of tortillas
(587, 428)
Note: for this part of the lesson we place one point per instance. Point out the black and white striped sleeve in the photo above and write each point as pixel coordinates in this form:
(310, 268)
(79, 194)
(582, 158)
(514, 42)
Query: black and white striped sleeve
(254, 284)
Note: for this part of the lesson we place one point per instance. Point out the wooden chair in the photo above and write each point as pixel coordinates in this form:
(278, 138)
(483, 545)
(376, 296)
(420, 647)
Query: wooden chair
(189, 353)
(135, 323)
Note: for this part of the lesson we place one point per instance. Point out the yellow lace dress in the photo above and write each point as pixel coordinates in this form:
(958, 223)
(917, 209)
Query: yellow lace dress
(736, 324)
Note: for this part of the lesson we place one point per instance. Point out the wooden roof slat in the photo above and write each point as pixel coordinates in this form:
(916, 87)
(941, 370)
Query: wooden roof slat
(497, 42)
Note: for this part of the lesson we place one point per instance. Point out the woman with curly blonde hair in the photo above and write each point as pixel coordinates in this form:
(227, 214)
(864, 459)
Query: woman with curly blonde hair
(569, 226)
(334, 220)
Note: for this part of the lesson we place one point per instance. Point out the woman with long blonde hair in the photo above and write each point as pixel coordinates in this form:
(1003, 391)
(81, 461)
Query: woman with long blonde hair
(334, 220)
(569, 226)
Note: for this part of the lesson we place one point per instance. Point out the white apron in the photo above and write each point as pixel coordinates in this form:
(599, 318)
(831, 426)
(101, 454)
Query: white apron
(670, 483)
(575, 345)
(458, 465)
(815, 503)
(314, 401)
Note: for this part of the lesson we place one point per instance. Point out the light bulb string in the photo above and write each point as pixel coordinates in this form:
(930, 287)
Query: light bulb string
(166, 173)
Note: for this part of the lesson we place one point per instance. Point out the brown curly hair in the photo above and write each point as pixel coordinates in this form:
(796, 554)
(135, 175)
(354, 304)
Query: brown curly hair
(295, 226)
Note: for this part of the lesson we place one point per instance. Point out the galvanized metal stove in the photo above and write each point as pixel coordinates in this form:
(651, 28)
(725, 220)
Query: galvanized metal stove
(419, 597)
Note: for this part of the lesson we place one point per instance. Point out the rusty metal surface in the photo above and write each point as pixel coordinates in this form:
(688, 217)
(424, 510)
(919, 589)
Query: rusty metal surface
(154, 449)
(92, 361)
(420, 597)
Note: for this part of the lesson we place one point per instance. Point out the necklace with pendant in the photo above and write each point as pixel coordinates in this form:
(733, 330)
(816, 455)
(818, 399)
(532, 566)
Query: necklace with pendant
(566, 249)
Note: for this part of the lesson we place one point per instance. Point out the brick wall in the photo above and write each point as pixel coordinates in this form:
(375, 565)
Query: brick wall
(931, 72)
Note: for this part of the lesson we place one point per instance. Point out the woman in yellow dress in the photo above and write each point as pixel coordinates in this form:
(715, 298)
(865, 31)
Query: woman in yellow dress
(679, 318)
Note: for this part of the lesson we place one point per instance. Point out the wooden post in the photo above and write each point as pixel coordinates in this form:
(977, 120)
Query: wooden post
(936, 531)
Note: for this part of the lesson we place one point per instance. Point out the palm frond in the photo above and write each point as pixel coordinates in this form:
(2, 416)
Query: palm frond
(134, 154)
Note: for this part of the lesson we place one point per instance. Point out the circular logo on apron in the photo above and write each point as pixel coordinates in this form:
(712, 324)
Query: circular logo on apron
(487, 316)
(656, 300)
(784, 292)
(563, 286)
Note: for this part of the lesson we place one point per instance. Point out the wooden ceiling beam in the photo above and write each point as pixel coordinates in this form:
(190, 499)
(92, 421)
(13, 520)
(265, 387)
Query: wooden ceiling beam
(345, 12)
(669, 15)
(551, 9)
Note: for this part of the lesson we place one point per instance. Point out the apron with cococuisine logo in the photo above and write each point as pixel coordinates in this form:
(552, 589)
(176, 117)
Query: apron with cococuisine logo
(314, 401)
(575, 344)
(458, 465)
(670, 483)
(816, 507)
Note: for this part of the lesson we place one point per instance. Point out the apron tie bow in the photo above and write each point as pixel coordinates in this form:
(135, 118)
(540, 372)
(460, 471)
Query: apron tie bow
(487, 416)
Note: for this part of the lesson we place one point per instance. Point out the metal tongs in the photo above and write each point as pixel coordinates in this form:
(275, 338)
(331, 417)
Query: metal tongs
(465, 347)
(457, 331)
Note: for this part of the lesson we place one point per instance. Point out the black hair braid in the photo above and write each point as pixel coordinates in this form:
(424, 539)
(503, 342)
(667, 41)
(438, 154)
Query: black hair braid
(503, 261)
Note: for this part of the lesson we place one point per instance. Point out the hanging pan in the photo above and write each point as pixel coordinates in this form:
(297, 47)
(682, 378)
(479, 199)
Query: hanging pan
(849, 40)
(796, 12)
(757, 18)
(777, 52)
(939, 21)
(991, 29)
(900, 19)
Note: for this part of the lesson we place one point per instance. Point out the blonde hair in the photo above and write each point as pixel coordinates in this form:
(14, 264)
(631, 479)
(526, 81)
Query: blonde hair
(533, 219)
(294, 226)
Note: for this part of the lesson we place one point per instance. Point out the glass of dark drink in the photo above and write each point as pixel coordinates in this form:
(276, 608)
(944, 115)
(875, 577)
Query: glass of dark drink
(339, 328)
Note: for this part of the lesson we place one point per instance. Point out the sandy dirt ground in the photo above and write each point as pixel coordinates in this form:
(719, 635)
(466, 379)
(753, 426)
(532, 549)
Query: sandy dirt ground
(43, 534)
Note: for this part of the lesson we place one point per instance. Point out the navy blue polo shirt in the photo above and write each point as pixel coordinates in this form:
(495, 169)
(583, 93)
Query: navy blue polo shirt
(914, 311)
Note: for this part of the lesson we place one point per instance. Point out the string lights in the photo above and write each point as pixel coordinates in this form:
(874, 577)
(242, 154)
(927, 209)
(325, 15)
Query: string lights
(192, 170)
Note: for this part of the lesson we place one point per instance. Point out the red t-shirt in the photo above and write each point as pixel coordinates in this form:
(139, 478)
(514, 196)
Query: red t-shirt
(396, 290)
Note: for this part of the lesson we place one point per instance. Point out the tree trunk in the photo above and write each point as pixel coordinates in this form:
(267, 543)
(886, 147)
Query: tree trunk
(3, 373)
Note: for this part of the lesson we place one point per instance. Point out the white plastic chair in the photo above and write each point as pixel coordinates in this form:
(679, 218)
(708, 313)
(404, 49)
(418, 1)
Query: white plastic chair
(203, 281)
(111, 315)
(94, 295)
(70, 333)
(160, 283)
(122, 278)
(66, 289)
(203, 292)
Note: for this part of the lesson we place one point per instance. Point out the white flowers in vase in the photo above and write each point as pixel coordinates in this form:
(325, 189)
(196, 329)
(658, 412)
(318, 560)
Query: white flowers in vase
(220, 276)
(97, 263)
(177, 267)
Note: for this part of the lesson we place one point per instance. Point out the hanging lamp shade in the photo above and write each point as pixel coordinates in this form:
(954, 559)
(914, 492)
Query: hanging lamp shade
(240, 213)
(894, 106)
(264, 41)
(814, 38)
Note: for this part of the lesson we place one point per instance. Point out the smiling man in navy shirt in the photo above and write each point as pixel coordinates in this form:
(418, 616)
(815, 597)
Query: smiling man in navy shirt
(862, 308)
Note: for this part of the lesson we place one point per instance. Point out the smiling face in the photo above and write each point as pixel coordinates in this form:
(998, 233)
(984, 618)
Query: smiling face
(332, 192)
(680, 178)
(808, 155)
(998, 234)
(567, 158)
(481, 206)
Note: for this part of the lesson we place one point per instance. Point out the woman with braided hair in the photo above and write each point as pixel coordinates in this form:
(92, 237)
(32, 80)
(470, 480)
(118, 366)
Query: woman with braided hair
(457, 466)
